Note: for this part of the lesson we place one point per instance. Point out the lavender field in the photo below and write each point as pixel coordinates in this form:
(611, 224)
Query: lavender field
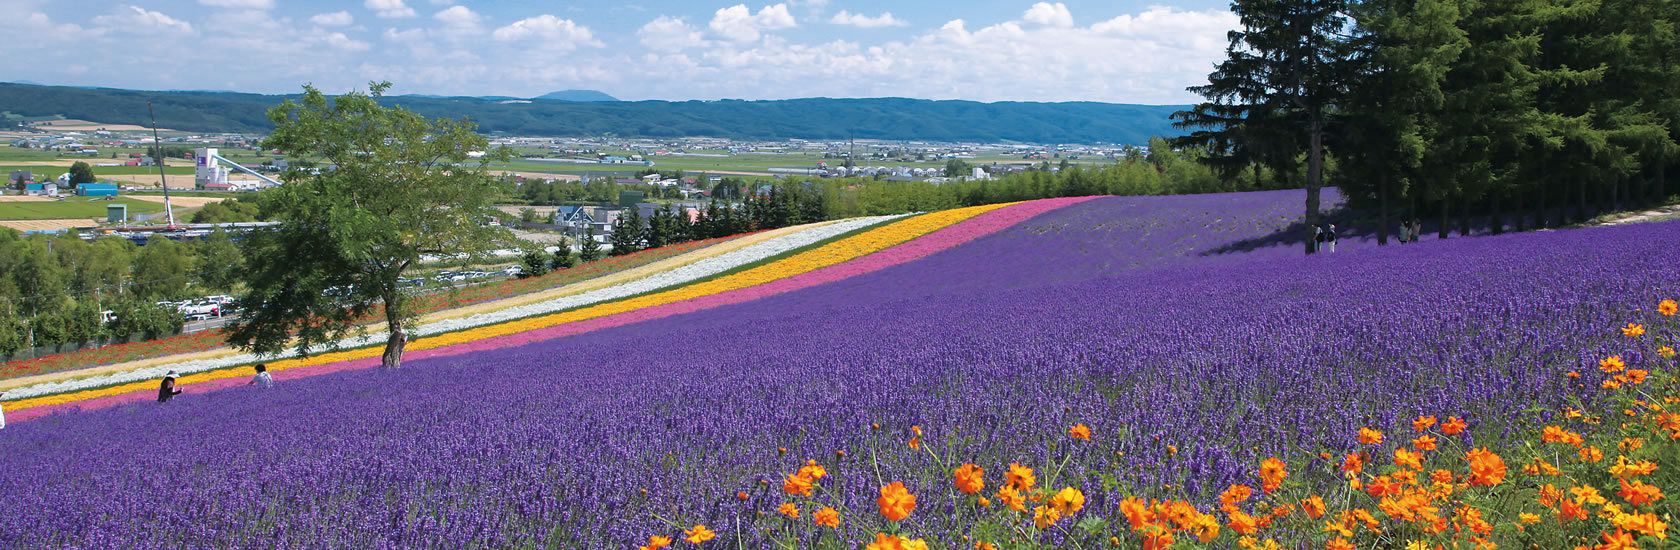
(1191, 343)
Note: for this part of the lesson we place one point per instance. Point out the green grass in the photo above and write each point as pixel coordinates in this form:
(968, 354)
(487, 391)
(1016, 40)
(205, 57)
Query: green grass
(71, 207)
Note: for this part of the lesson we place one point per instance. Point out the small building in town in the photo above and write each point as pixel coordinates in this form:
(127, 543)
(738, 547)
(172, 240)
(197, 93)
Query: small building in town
(97, 189)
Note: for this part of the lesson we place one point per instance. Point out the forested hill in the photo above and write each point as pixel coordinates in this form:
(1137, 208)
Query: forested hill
(817, 118)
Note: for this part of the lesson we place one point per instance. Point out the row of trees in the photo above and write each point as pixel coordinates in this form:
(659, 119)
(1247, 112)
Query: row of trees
(54, 290)
(1525, 113)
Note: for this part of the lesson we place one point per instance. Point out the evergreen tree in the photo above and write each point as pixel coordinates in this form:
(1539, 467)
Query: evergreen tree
(1401, 53)
(628, 233)
(590, 249)
(534, 263)
(1282, 79)
(563, 258)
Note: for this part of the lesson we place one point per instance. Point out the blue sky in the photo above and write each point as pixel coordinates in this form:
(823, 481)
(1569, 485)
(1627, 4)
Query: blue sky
(985, 50)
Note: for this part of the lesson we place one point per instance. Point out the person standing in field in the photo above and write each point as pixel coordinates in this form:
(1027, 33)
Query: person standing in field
(1417, 227)
(2, 412)
(167, 389)
(1318, 238)
(1330, 237)
(1405, 231)
(263, 379)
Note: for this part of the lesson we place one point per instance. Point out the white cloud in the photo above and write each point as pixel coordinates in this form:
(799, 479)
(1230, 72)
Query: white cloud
(886, 19)
(140, 20)
(1164, 25)
(334, 19)
(1053, 15)
(239, 4)
(740, 24)
(669, 34)
(458, 16)
(339, 41)
(390, 9)
(554, 32)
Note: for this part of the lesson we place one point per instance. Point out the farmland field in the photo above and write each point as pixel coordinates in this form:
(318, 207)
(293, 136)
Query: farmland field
(1185, 334)
(72, 207)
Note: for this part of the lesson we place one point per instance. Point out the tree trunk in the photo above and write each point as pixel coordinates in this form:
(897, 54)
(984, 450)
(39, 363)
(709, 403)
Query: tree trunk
(1581, 190)
(1445, 227)
(1464, 216)
(1496, 218)
(398, 340)
(1519, 221)
(1382, 209)
(1315, 171)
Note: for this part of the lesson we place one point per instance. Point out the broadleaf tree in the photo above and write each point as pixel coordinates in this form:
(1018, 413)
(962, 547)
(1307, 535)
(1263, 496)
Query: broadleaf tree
(393, 188)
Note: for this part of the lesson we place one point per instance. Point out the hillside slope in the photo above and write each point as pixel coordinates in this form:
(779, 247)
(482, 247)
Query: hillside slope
(815, 118)
(991, 334)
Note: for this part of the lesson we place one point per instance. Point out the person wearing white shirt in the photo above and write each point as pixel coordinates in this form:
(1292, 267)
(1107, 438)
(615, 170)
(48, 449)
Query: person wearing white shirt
(263, 379)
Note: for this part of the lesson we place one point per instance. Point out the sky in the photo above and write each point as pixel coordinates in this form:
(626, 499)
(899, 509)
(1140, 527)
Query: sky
(1125, 51)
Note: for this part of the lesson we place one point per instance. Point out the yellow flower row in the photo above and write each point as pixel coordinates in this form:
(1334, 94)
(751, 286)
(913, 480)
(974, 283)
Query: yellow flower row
(846, 249)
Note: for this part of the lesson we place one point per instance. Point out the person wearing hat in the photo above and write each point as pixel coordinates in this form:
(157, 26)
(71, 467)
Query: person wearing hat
(167, 389)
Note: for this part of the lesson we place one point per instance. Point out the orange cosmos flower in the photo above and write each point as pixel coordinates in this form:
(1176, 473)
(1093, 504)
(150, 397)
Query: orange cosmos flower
(1233, 496)
(798, 484)
(1339, 543)
(1012, 498)
(1157, 537)
(896, 502)
(1453, 426)
(1080, 432)
(1313, 506)
(1573, 374)
(916, 443)
(1441, 476)
(970, 479)
(1272, 474)
(1646, 523)
(827, 517)
(1612, 364)
(1633, 330)
(1368, 436)
(884, 541)
(1423, 423)
(1424, 443)
(1353, 464)
(1044, 517)
(1668, 308)
(1137, 512)
(1639, 494)
(699, 534)
(1241, 523)
(813, 470)
(1019, 477)
(1587, 494)
(741, 495)
(1625, 469)
(983, 502)
(788, 509)
(1569, 510)
(1486, 468)
(1408, 459)
(984, 546)
(1590, 454)
(1068, 501)
(655, 542)
(1620, 540)
(1666, 352)
(916, 430)
(1636, 376)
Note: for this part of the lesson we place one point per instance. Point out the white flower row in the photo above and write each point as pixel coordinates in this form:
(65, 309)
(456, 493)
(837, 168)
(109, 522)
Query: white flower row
(680, 275)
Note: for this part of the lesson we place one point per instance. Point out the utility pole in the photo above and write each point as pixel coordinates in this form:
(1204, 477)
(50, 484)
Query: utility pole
(157, 149)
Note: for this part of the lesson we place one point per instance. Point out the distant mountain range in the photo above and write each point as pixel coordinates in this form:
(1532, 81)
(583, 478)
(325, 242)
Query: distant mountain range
(589, 113)
(581, 96)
